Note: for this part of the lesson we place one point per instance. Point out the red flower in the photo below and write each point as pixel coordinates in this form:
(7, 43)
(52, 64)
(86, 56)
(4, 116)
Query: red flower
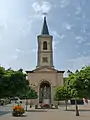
(46, 105)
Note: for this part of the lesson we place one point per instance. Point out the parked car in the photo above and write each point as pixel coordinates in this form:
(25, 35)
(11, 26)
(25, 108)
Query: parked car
(16, 100)
(79, 102)
(2, 102)
(5, 101)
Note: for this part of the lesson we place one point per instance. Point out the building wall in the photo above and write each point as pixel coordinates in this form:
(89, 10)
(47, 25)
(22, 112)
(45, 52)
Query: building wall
(45, 53)
(55, 79)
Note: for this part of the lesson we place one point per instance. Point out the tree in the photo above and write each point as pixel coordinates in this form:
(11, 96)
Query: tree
(12, 83)
(79, 83)
(62, 93)
(2, 73)
(74, 87)
(75, 94)
(83, 77)
(80, 80)
(30, 93)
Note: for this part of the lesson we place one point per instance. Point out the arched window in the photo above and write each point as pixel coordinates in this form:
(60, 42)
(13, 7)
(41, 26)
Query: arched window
(44, 45)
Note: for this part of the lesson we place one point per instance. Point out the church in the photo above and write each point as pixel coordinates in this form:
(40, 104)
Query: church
(44, 78)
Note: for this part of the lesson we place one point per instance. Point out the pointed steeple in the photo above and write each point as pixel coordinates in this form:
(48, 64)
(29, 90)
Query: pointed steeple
(45, 28)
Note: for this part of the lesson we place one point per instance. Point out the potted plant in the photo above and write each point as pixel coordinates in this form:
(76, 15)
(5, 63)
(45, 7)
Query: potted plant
(18, 110)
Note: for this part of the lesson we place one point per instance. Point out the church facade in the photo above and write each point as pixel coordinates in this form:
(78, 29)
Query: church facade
(44, 78)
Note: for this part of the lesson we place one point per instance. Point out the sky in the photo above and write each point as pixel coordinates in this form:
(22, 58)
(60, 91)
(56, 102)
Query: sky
(68, 22)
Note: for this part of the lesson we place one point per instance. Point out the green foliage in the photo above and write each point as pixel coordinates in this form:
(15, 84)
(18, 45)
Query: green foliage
(12, 83)
(62, 93)
(2, 73)
(32, 94)
(79, 82)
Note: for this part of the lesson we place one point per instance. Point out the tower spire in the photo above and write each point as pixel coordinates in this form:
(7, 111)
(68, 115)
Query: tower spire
(45, 30)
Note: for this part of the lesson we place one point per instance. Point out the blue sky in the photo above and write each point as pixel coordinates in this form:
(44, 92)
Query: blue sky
(21, 21)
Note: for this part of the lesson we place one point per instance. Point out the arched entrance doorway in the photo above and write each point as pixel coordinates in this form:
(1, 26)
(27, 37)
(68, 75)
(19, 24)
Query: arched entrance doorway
(45, 92)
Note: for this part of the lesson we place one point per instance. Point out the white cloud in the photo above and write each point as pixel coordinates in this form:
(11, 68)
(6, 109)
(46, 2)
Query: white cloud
(79, 62)
(44, 7)
(55, 34)
(25, 26)
(11, 58)
(18, 50)
(40, 8)
(33, 50)
(78, 10)
(10, 61)
(88, 43)
(67, 26)
(36, 7)
(3, 27)
(54, 45)
(26, 52)
(62, 36)
(83, 30)
(68, 14)
(79, 54)
(14, 57)
(79, 39)
(77, 46)
(56, 38)
(64, 3)
(84, 53)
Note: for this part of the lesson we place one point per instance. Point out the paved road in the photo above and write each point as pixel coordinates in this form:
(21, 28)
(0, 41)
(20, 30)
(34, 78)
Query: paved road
(6, 109)
(4, 112)
(52, 114)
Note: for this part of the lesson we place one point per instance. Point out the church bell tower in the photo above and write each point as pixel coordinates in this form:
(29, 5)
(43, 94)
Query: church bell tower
(45, 51)
(44, 78)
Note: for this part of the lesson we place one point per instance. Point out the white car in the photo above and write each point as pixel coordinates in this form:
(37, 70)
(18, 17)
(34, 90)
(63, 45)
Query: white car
(17, 100)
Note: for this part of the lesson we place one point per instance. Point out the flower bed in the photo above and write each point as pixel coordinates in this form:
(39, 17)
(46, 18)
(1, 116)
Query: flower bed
(46, 106)
(18, 110)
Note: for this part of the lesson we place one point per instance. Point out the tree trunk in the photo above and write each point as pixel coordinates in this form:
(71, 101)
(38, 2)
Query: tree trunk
(77, 111)
(66, 104)
(30, 103)
(26, 103)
